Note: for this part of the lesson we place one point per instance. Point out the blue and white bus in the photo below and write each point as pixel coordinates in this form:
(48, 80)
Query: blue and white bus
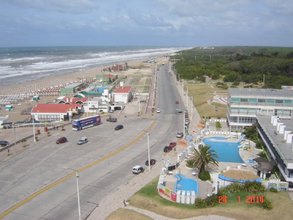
(87, 122)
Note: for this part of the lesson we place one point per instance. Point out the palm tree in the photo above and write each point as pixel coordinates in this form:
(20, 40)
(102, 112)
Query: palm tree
(203, 157)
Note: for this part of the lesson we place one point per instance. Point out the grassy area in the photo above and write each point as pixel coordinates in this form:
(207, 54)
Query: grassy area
(121, 214)
(147, 198)
(202, 94)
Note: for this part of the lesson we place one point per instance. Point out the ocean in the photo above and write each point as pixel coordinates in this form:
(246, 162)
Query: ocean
(22, 64)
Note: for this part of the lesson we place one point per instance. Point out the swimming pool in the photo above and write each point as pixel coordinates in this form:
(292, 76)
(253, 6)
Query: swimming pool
(227, 151)
(184, 183)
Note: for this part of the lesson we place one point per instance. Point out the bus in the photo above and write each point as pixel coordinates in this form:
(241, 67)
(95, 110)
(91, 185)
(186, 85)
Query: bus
(81, 123)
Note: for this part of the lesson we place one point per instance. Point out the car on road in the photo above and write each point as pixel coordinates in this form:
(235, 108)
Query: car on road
(61, 140)
(158, 110)
(118, 127)
(179, 135)
(111, 110)
(4, 143)
(178, 110)
(167, 149)
(137, 169)
(82, 140)
(152, 162)
(172, 145)
(111, 119)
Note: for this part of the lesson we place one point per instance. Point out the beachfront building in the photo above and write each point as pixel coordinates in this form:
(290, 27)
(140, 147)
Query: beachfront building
(277, 135)
(72, 100)
(244, 104)
(71, 89)
(97, 105)
(122, 94)
(54, 112)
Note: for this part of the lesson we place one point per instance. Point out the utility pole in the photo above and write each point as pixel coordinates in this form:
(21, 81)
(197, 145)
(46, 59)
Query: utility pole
(149, 154)
(77, 191)
(34, 131)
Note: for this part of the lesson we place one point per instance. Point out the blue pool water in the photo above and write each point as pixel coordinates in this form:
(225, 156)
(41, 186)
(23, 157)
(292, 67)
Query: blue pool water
(226, 151)
(184, 183)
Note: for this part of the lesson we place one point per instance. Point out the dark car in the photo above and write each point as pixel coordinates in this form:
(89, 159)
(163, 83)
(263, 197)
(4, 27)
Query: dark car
(172, 145)
(4, 143)
(111, 119)
(152, 162)
(118, 127)
(61, 140)
(167, 149)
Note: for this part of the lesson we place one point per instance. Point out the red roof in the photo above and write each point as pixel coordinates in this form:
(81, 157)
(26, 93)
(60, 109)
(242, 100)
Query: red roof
(123, 89)
(54, 108)
(73, 100)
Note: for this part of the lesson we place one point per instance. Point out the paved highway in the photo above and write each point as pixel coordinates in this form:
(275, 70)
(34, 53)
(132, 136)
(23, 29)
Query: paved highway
(39, 183)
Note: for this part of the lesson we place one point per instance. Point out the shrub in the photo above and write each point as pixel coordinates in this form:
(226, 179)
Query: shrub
(204, 175)
(212, 200)
(200, 203)
(273, 190)
(267, 204)
(254, 187)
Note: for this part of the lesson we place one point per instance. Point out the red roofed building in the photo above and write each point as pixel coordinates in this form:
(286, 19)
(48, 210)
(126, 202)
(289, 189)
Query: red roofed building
(73, 100)
(122, 94)
(54, 112)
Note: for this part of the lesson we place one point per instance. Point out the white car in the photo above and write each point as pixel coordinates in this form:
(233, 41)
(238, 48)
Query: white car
(158, 110)
(137, 169)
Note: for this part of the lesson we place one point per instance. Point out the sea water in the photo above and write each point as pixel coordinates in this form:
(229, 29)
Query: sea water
(26, 63)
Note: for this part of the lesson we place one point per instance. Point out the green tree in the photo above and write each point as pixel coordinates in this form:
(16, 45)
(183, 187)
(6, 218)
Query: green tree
(203, 157)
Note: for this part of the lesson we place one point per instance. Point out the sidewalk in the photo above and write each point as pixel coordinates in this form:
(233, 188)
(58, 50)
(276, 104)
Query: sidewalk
(160, 217)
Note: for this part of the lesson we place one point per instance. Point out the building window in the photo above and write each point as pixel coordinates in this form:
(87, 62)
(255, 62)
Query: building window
(243, 100)
(261, 100)
(279, 101)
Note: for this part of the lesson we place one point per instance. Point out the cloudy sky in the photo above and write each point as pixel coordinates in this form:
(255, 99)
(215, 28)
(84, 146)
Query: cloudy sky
(146, 22)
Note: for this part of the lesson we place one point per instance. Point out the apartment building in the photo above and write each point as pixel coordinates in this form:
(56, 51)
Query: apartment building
(245, 104)
(277, 135)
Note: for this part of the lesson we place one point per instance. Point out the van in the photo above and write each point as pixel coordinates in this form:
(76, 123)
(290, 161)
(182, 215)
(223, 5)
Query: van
(137, 169)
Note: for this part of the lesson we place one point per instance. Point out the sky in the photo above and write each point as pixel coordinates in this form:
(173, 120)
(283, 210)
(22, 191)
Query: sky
(146, 23)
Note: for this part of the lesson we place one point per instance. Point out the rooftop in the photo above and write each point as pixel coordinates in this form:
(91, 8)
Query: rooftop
(266, 93)
(284, 149)
(73, 85)
(53, 108)
(122, 89)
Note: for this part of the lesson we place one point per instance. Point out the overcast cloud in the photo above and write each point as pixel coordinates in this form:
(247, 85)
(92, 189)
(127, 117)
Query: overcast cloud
(146, 22)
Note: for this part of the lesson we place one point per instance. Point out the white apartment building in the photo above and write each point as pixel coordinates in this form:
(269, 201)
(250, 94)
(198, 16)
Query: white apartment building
(244, 104)
(277, 135)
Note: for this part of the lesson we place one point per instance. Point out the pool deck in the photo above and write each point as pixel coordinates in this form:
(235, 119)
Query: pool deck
(247, 152)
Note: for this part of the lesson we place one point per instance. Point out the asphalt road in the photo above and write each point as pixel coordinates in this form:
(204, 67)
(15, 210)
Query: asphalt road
(39, 183)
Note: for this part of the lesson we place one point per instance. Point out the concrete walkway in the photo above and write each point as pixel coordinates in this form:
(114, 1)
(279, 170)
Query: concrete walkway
(161, 217)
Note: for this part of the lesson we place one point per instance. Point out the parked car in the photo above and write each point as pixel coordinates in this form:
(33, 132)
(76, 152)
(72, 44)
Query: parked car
(111, 110)
(172, 145)
(4, 143)
(137, 169)
(82, 140)
(6, 125)
(119, 127)
(178, 110)
(179, 135)
(158, 110)
(61, 140)
(167, 149)
(152, 162)
(111, 119)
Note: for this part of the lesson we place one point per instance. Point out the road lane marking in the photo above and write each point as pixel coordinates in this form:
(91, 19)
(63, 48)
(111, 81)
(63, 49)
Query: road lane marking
(68, 176)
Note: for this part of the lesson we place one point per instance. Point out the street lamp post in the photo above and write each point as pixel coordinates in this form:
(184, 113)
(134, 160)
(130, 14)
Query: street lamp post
(34, 131)
(77, 191)
(149, 154)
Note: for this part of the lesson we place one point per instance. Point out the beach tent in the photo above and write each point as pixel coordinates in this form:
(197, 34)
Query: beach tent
(8, 107)
(36, 98)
